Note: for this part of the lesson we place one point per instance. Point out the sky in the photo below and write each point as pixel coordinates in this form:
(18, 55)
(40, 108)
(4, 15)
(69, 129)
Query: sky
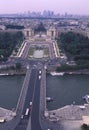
(58, 6)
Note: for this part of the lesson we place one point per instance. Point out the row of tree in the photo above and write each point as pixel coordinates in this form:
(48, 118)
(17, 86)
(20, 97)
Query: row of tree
(40, 28)
(67, 68)
(77, 46)
(8, 42)
(10, 26)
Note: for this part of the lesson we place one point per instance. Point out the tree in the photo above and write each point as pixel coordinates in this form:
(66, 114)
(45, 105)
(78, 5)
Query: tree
(85, 127)
(8, 41)
(40, 28)
(76, 45)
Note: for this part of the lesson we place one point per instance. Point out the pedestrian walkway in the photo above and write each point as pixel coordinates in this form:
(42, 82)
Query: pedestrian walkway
(70, 112)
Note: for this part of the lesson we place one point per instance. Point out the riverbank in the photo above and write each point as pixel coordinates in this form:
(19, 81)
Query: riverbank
(78, 72)
(53, 73)
(85, 71)
(12, 72)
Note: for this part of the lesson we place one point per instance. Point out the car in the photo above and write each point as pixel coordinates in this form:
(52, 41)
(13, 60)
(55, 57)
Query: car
(30, 103)
(39, 71)
(22, 116)
(39, 76)
(30, 108)
(27, 66)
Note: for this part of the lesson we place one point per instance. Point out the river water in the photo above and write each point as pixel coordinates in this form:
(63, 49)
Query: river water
(66, 90)
(10, 87)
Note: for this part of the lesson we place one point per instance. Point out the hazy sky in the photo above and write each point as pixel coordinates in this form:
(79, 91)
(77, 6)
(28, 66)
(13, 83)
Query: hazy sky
(58, 6)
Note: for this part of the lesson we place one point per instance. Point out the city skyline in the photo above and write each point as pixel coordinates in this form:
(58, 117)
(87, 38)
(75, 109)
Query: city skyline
(58, 6)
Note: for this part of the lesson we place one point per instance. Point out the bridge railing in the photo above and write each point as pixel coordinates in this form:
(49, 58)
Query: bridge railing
(22, 96)
(42, 99)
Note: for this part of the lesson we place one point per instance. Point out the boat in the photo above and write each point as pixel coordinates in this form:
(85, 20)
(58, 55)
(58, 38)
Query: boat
(86, 97)
(3, 74)
(49, 99)
(57, 74)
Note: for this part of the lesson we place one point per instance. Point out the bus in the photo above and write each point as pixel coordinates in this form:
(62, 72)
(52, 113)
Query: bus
(27, 112)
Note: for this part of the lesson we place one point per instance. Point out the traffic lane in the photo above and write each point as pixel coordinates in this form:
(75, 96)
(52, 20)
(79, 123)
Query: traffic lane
(35, 124)
(24, 120)
(25, 51)
(30, 90)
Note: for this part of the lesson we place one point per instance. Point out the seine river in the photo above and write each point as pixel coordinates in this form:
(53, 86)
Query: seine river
(67, 89)
(10, 87)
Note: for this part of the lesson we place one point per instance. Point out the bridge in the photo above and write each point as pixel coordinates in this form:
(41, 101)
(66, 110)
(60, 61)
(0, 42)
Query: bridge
(30, 94)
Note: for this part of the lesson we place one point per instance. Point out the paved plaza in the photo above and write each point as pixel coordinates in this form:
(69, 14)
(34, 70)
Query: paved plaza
(70, 112)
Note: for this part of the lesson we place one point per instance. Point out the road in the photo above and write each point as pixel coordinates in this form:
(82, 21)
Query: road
(33, 95)
(25, 51)
(29, 97)
(35, 124)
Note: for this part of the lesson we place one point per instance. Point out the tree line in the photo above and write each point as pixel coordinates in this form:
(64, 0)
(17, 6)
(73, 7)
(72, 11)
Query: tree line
(8, 42)
(40, 28)
(10, 26)
(77, 46)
